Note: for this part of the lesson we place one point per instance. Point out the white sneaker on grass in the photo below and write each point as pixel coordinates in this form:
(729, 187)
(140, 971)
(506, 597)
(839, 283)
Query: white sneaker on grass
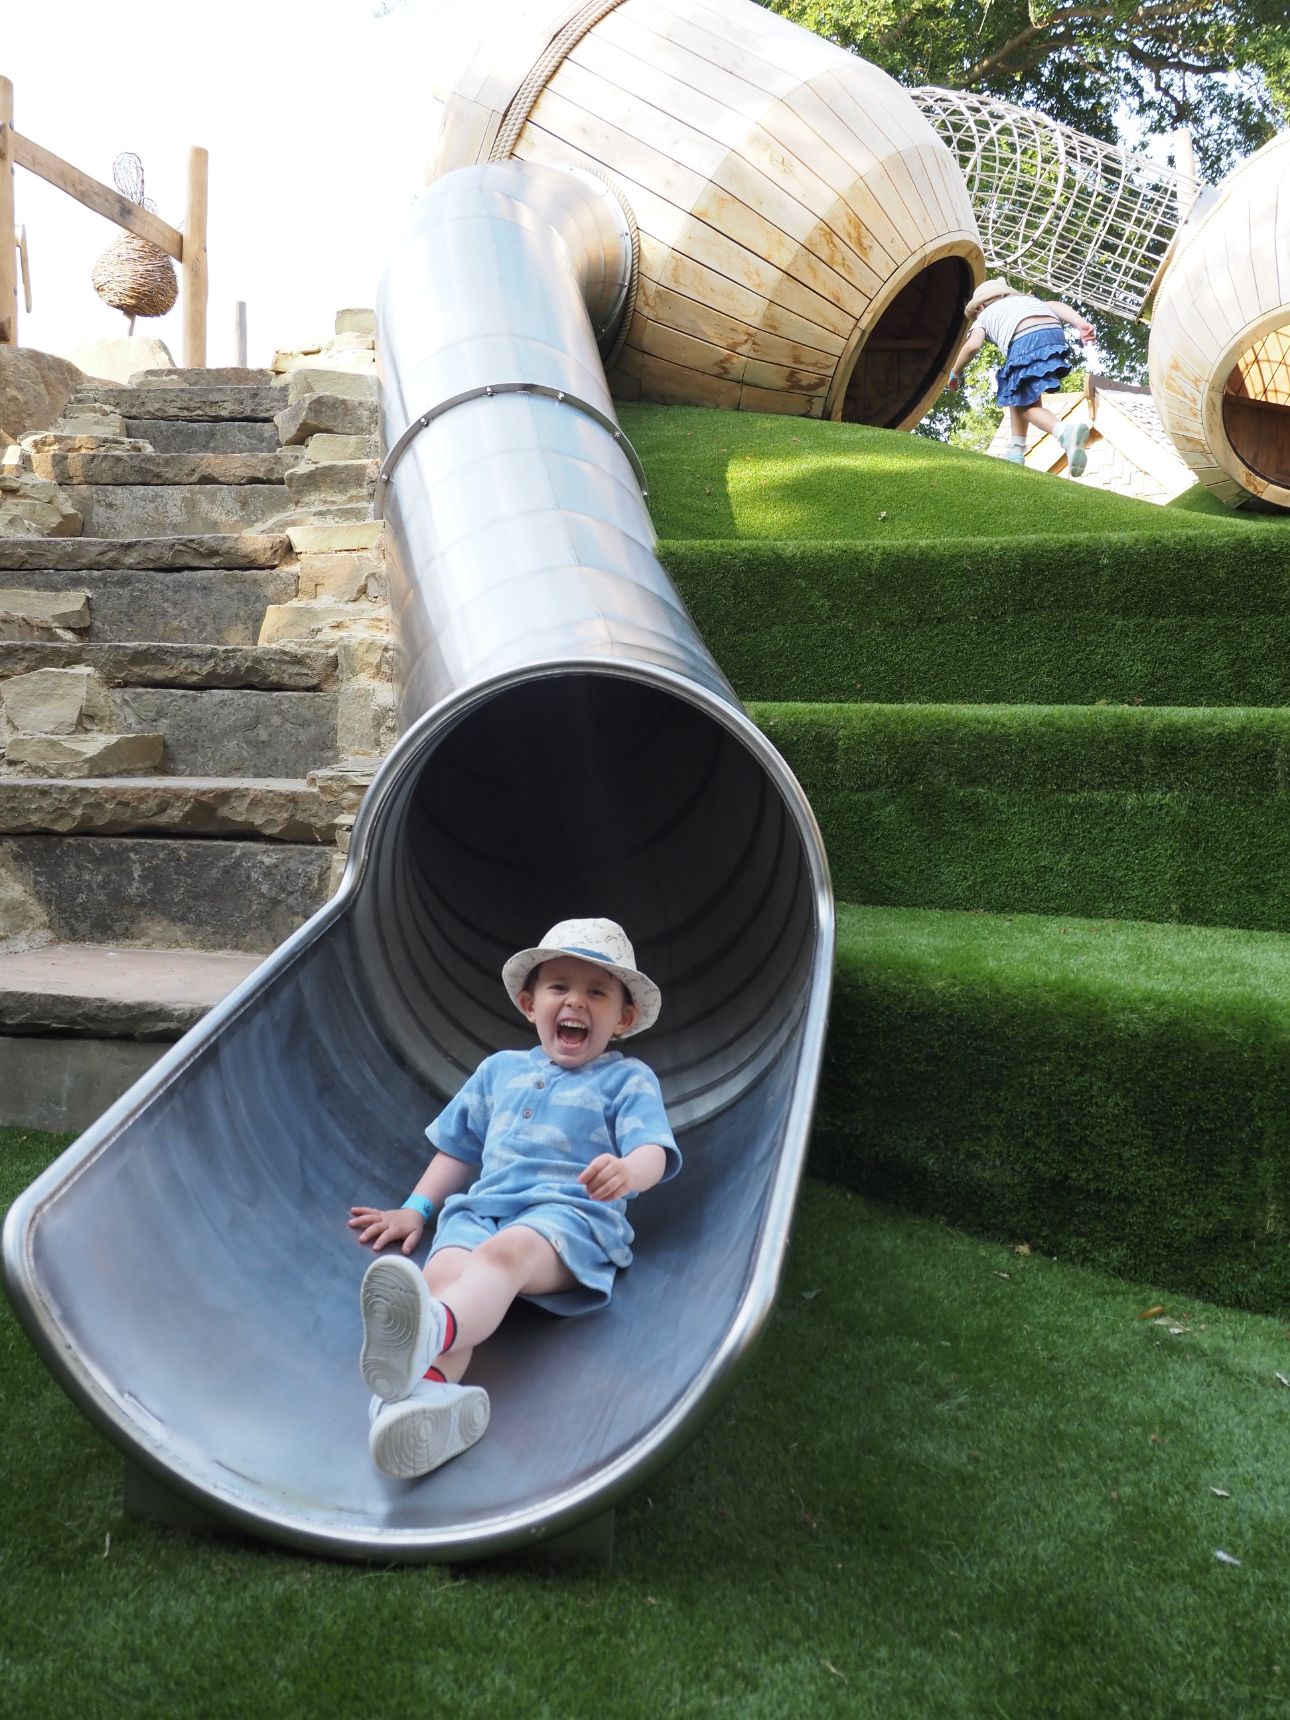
(1073, 439)
(424, 1430)
(403, 1327)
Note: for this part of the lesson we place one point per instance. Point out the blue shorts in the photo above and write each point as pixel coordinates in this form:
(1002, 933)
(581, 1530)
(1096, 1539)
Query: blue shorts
(564, 1228)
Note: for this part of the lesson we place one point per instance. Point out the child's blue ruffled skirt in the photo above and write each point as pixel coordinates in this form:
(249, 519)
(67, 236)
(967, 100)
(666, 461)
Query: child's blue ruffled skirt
(1037, 361)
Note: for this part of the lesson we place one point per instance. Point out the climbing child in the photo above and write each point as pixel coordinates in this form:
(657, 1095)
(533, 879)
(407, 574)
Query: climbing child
(1029, 333)
(535, 1161)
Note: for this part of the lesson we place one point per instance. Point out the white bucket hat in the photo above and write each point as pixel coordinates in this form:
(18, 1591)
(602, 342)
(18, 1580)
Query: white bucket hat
(998, 288)
(601, 941)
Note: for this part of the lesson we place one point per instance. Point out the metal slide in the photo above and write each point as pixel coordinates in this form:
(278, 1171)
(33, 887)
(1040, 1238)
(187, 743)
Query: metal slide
(570, 748)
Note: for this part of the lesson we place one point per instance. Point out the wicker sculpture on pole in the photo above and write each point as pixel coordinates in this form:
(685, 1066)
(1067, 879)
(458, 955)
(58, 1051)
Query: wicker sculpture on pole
(133, 276)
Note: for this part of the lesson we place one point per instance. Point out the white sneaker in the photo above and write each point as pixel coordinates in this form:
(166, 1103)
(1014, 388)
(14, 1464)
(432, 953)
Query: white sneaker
(1015, 453)
(403, 1327)
(423, 1431)
(1073, 439)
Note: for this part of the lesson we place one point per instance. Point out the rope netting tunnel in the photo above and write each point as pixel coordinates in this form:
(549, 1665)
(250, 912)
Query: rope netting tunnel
(1057, 208)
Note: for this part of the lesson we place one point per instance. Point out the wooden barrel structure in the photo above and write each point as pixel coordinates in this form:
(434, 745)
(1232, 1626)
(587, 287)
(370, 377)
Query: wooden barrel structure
(1220, 334)
(806, 241)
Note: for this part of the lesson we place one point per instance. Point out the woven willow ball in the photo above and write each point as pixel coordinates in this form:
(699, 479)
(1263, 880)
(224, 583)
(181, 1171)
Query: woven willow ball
(135, 277)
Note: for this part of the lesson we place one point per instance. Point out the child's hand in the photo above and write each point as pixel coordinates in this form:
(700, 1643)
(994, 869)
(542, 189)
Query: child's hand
(1086, 332)
(606, 1178)
(377, 1227)
(953, 383)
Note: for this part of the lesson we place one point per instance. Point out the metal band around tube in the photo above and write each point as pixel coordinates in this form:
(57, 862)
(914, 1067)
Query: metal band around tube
(562, 395)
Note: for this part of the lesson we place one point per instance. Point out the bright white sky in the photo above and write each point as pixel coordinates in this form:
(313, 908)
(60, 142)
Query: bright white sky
(315, 117)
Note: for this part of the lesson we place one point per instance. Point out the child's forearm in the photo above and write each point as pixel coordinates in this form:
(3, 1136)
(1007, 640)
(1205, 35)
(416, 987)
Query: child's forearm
(444, 1176)
(644, 1167)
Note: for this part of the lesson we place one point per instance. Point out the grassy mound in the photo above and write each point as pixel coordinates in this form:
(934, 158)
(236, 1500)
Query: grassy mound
(955, 1481)
(756, 476)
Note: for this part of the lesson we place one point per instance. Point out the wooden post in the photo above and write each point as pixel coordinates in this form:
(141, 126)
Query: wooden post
(194, 263)
(8, 235)
(239, 333)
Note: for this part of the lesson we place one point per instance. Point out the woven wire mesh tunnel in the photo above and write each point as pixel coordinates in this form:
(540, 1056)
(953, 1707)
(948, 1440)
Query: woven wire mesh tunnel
(184, 1269)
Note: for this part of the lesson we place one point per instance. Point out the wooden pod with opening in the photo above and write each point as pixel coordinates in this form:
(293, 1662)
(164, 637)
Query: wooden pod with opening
(1220, 334)
(806, 240)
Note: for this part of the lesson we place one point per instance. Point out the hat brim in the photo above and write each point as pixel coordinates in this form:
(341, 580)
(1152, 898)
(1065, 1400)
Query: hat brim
(646, 996)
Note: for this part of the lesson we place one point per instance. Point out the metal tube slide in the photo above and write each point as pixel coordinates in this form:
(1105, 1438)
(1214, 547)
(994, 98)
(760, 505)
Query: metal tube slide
(571, 747)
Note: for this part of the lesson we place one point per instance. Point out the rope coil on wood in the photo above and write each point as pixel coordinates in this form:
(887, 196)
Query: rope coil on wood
(517, 114)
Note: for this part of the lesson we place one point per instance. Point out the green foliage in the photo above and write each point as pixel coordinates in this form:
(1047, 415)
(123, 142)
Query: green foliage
(1223, 70)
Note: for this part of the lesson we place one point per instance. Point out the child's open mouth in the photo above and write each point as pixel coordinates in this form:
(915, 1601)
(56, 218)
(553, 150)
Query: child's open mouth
(570, 1035)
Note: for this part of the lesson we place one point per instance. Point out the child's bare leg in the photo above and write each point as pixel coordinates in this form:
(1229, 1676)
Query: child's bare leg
(479, 1290)
(1017, 417)
(1039, 416)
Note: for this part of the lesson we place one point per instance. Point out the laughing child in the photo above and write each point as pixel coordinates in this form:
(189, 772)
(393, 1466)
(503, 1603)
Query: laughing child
(535, 1161)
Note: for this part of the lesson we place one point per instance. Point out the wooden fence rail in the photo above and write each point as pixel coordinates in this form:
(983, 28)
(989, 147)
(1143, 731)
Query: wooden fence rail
(187, 248)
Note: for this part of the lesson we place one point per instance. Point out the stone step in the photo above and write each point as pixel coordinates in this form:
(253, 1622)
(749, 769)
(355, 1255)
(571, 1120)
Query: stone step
(89, 1020)
(187, 404)
(169, 605)
(232, 375)
(139, 469)
(231, 732)
(277, 809)
(150, 511)
(229, 436)
(273, 668)
(215, 549)
(106, 992)
(203, 893)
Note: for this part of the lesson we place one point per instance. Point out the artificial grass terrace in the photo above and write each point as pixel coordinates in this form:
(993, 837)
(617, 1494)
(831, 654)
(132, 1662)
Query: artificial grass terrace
(1116, 1093)
(745, 475)
(1128, 617)
(1135, 813)
(956, 1480)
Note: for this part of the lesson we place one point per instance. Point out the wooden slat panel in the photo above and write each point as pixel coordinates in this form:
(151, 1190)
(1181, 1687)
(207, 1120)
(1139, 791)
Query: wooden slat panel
(676, 311)
(661, 219)
(673, 384)
(648, 116)
(774, 400)
(788, 378)
(837, 142)
(687, 349)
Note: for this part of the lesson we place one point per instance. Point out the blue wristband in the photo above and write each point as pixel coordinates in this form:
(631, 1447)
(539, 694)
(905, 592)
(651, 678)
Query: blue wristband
(419, 1203)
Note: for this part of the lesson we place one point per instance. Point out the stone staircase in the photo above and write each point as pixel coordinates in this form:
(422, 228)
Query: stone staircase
(194, 693)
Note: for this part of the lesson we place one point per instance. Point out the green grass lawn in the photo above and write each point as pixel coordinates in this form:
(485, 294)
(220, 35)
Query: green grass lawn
(956, 1480)
(751, 475)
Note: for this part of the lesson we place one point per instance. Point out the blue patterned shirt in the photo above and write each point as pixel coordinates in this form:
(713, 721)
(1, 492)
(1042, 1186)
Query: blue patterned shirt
(531, 1127)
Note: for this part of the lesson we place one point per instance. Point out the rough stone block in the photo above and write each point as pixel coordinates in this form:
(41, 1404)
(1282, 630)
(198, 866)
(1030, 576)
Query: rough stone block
(34, 388)
(53, 701)
(320, 619)
(332, 483)
(86, 554)
(332, 413)
(162, 511)
(351, 341)
(90, 421)
(348, 534)
(118, 360)
(44, 608)
(279, 811)
(345, 384)
(342, 577)
(366, 719)
(26, 499)
(224, 376)
(365, 657)
(60, 442)
(356, 320)
(230, 436)
(232, 731)
(85, 755)
(325, 448)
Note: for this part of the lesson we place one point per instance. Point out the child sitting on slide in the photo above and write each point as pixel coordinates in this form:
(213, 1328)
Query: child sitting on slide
(535, 1161)
(1030, 335)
